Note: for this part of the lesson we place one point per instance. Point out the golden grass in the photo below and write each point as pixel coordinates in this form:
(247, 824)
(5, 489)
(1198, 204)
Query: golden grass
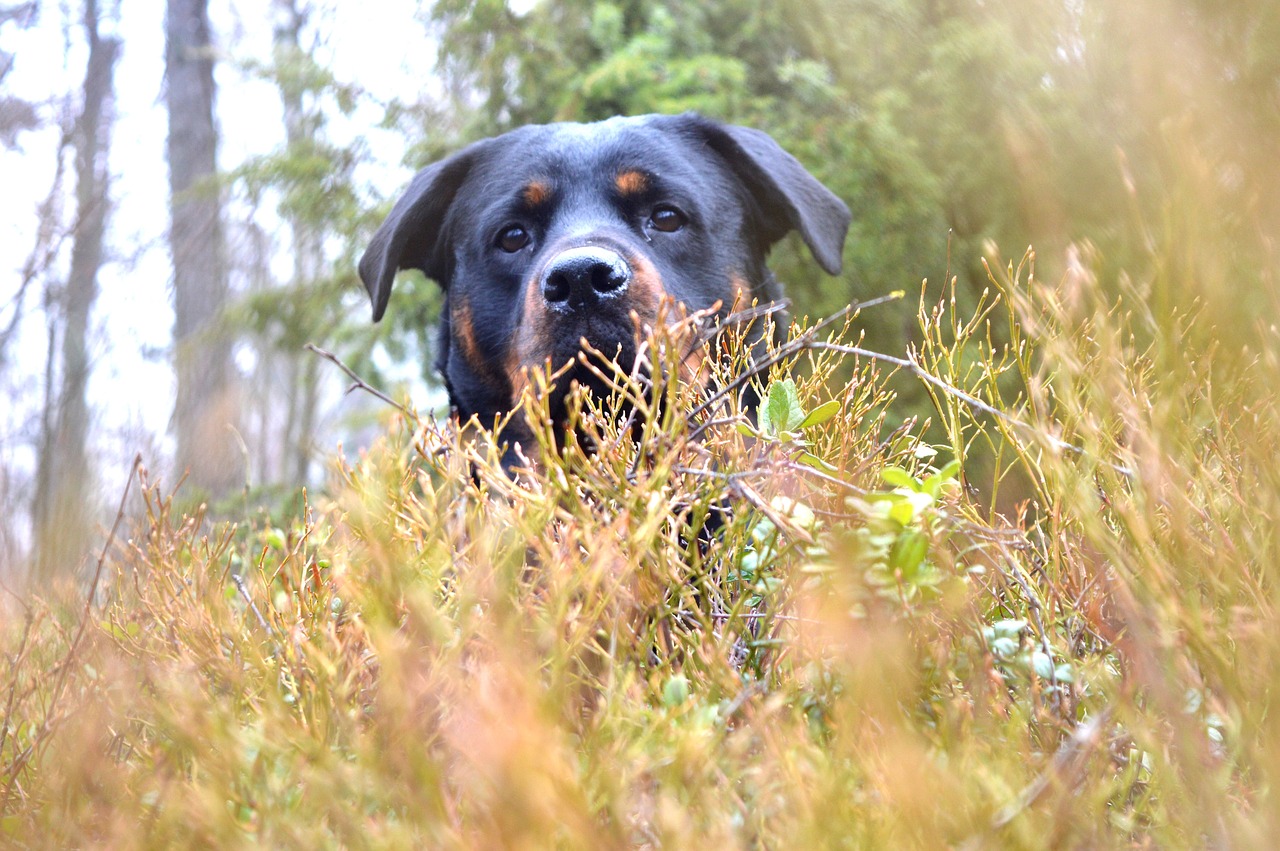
(706, 642)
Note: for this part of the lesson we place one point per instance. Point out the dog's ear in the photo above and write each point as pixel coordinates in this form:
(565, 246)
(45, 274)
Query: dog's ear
(413, 235)
(789, 197)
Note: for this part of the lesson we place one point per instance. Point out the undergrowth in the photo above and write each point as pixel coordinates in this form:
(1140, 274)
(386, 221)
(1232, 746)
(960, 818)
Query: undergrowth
(691, 627)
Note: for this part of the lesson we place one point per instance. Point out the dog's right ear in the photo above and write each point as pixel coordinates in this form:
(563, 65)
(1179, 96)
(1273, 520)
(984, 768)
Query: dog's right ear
(413, 235)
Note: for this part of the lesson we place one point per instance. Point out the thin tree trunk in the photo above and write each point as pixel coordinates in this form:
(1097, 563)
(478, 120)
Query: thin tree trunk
(308, 251)
(63, 515)
(206, 414)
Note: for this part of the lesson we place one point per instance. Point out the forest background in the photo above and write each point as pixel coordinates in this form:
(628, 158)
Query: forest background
(1134, 145)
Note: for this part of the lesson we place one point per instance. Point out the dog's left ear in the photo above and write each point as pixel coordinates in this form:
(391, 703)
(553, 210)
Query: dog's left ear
(790, 198)
(413, 235)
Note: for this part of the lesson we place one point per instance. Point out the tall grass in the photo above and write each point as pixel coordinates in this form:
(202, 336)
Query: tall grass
(694, 627)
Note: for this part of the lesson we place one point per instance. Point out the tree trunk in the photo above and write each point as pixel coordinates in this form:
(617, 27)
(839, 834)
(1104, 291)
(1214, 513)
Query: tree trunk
(300, 125)
(63, 517)
(206, 413)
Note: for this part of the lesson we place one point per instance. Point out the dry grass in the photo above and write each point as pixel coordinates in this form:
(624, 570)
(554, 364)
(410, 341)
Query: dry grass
(711, 642)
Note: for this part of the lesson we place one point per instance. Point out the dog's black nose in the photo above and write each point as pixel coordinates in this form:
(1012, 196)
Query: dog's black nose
(582, 276)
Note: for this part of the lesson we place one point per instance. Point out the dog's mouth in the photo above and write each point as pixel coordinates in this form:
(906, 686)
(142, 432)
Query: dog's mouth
(595, 349)
(601, 336)
(597, 352)
(580, 313)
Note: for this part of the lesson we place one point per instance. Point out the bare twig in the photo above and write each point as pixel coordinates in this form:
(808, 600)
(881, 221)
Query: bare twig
(358, 383)
(15, 663)
(97, 578)
(64, 669)
(972, 401)
(50, 237)
(1067, 760)
(806, 339)
(253, 607)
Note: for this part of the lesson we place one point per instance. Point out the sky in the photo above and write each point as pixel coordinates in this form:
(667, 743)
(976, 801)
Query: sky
(381, 45)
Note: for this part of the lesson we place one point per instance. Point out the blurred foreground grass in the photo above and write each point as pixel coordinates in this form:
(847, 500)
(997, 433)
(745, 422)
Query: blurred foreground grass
(802, 633)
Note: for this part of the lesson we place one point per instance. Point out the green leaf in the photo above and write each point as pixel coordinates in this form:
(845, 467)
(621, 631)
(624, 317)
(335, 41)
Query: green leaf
(902, 513)
(1003, 648)
(899, 478)
(1011, 628)
(782, 410)
(908, 553)
(764, 421)
(811, 460)
(676, 690)
(820, 414)
(933, 484)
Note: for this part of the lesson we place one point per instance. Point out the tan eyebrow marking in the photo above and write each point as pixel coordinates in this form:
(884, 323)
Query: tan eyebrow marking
(537, 192)
(631, 182)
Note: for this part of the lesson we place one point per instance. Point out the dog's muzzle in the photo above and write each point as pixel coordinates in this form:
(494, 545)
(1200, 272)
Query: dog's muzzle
(579, 278)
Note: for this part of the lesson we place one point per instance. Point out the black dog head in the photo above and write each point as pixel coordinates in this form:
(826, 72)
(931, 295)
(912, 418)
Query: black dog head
(552, 234)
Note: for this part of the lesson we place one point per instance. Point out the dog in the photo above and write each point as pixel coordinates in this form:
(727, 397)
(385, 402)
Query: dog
(551, 235)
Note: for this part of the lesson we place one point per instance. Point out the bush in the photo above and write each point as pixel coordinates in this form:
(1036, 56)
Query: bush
(688, 626)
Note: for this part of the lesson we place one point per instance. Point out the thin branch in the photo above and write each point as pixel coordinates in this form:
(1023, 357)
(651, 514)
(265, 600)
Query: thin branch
(64, 669)
(97, 576)
(49, 239)
(1068, 758)
(802, 341)
(359, 383)
(972, 401)
(253, 606)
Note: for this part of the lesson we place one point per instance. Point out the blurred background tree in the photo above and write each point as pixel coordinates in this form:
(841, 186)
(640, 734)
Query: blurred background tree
(206, 412)
(64, 503)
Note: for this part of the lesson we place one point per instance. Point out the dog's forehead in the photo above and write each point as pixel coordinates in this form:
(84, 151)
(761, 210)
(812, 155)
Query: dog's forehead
(576, 151)
(597, 132)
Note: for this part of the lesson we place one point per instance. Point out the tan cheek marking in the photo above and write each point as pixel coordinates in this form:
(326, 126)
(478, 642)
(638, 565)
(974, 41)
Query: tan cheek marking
(517, 375)
(742, 297)
(537, 192)
(631, 182)
(464, 331)
(531, 345)
(647, 289)
(694, 367)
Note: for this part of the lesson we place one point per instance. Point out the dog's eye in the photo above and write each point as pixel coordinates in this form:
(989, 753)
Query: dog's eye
(512, 239)
(667, 219)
